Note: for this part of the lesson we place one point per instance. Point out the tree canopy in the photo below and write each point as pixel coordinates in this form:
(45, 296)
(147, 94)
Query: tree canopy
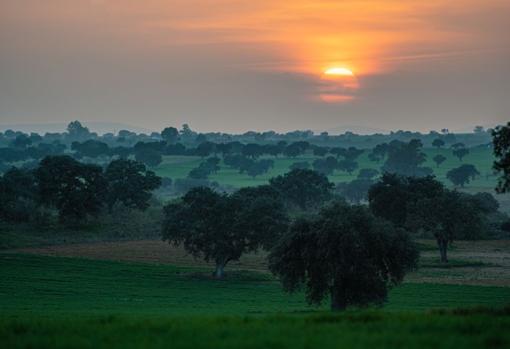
(220, 228)
(425, 205)
(501, 143)
(130, 183)
(462, 175)
(303, 188)
(345, 253)
(405, 158)
(75, 189)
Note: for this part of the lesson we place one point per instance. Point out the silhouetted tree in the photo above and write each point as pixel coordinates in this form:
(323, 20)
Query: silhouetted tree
(462, 175)
(74, 189)
(221, 228)
(21, 141)
(91, 148)
(320, 151)
(439, 159)
(149, 157)
(424, 204)
(205, 149)
(348, 166)
(438, 143)
(345, 254)
(130, 183)
(170, 135)
(355, 191)
(460, 153)
(501, 143)
(405, 158)
(379, 152)
(252, 150)
(325, 166)
(18, 195)
(77, 131)
(303, 188)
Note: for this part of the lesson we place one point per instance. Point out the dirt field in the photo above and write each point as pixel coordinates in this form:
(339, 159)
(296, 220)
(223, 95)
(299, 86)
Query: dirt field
(472, 263)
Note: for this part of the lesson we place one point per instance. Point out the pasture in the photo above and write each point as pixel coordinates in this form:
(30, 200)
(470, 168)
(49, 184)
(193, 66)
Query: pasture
(59, 302)
(482, 158)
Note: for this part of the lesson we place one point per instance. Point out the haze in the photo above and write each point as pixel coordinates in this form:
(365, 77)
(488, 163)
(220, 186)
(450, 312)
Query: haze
(233, 66)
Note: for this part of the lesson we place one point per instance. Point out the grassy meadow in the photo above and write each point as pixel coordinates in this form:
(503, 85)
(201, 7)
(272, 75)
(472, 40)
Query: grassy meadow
(62, 302)
(482, 158)
(140, 294)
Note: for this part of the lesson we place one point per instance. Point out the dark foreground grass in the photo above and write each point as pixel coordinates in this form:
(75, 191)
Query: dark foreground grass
(363, 329)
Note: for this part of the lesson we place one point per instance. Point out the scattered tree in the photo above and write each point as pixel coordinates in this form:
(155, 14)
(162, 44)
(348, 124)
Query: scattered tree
(303, 188)
(149, 157)
(221, 228)
(425, 205)
(438, 143)
(439, 159)
(501, 143)
(345, 253)
(462, 175)
(74, 189)
(325, 166)
(347, 165)
(170, 135)
(355, 191)
(405, 158)
(130, 183)
(460, 153)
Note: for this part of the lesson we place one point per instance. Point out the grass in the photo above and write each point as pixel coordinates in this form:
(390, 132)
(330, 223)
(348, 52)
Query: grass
(179, 167)
(366, 329)
(482, 158)
(57, 302)
(42, 285)
(454, 263)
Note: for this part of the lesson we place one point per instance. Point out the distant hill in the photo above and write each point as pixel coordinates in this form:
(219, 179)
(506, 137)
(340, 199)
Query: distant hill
(94, 126)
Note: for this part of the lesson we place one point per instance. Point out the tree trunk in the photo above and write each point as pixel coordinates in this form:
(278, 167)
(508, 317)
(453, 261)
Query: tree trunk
(220, 267)
(337, 302)
(443, 249)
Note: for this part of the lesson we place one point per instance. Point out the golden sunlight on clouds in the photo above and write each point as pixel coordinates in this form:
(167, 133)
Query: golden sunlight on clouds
(320, 40)
(308, 37)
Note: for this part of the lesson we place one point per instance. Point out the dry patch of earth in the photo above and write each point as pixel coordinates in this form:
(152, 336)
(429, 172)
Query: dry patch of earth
(490, 259)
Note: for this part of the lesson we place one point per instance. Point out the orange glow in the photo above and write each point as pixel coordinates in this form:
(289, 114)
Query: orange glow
(334, 98)
(325, 40)
(338, 71)
(306, 37)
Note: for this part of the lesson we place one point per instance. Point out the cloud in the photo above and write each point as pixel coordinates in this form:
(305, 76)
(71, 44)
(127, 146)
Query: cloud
(238, 64)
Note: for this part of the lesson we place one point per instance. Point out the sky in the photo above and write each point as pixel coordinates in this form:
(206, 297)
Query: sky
(233, 66)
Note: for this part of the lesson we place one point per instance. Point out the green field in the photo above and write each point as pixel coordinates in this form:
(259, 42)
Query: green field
(55, 302)
(179, 167)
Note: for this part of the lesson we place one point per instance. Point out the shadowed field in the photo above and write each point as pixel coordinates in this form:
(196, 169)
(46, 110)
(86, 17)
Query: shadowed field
(50, 286)
(472, 262)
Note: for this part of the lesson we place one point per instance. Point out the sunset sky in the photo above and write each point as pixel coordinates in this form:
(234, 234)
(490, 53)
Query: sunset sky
(225, 65)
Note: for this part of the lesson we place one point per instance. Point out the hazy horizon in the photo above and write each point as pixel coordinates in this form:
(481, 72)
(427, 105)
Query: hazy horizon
(102, 127)
(266, 65)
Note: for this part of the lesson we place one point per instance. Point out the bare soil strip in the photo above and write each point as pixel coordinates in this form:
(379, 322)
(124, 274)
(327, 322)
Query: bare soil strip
(493, 257)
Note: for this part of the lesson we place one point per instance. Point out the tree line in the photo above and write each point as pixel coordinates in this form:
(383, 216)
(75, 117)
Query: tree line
(73, 190)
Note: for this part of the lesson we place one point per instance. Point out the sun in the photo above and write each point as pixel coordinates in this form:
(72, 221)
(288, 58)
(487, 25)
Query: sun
(338, 71)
